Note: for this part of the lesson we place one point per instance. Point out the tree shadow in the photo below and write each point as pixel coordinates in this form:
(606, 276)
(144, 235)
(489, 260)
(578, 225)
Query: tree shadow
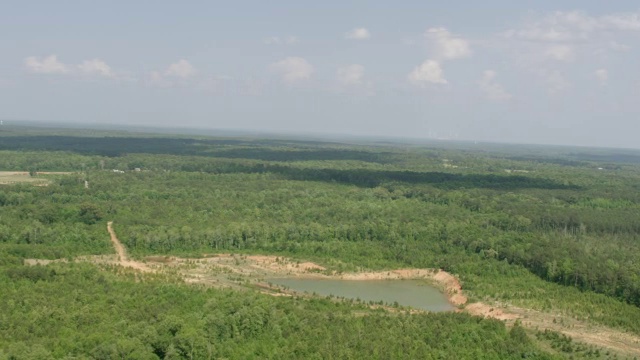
(373, 178)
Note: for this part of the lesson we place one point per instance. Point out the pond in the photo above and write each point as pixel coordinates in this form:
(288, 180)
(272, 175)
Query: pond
(415, 293)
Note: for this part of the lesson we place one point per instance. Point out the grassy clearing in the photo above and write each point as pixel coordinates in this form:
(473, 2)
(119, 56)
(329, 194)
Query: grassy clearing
(17, 177)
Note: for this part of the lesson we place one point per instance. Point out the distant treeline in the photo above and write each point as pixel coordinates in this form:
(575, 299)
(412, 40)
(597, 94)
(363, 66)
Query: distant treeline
(248, 149)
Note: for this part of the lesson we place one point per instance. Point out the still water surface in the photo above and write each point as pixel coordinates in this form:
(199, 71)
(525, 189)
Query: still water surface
(415, 293)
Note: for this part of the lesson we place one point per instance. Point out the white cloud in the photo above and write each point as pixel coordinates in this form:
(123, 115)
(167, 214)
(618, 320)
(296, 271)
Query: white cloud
(491, 88)
(288, 40)
(51, 65)
(447, 46)
(181, 69)
(572, 21)
(622, 21)
(538, 34)
(619, 47)
(358, 34)
(273, 40)
(351, 80)
(156, 78)
(96, 67)
(556, 83)
(428, 72)
(564, 26)
(602, 75)
(46, 65)
(175, 74)
(293, 69)
(351, 74)
(560, 52)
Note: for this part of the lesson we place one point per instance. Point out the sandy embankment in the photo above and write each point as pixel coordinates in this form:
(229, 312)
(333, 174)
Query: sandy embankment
(266, 266)
(447, 282)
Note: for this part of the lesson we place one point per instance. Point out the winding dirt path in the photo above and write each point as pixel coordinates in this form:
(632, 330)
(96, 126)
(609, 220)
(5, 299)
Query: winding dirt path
(121, 252)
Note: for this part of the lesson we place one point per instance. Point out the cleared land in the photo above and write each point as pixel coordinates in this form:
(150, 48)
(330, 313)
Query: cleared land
(15, 177)
(250, 271)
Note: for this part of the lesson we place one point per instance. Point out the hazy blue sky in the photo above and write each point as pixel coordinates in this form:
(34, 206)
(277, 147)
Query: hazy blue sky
(516, 71)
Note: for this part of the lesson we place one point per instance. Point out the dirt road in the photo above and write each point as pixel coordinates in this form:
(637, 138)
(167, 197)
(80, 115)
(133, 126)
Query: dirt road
(121, 252)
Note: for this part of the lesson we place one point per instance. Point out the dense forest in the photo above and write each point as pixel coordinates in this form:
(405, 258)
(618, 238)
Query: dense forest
(552, 229)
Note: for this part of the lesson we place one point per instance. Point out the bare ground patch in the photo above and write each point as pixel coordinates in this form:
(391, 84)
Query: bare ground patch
(16, 177)
(123, 259)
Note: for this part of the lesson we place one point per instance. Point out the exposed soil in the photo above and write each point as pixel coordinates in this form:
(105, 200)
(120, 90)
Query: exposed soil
(488, 311)
(121, 252)
(14, 177)
(582, 331)
(239, 271)
(33, 262)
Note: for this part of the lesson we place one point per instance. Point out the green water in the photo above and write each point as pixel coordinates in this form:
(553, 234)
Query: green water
(415, 293)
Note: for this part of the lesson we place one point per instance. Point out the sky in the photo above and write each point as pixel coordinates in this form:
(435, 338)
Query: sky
(544, 72)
